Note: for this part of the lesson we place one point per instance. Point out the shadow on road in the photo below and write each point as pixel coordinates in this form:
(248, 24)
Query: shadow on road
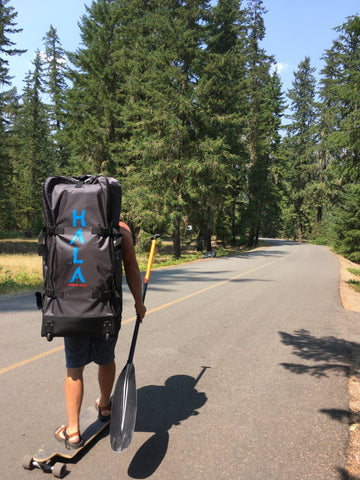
(160, 408)
(330, 353)
(323, 355)
(18, 302)
(338, 414)
(344, 475)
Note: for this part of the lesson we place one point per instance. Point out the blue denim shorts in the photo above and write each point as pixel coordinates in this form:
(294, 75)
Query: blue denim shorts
(79, 351)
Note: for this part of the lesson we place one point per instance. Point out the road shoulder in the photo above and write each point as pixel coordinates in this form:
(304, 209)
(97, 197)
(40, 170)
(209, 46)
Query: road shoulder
(351, 302)
(349, 296)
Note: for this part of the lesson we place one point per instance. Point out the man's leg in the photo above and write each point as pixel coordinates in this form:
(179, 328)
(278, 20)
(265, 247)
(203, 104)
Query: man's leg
(106, 376)
(74, 389)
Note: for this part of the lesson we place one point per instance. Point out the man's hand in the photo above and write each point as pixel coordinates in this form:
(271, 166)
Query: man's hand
(140, 310)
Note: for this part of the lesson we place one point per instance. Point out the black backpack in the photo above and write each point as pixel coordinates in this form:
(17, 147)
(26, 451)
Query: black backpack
(81, 248)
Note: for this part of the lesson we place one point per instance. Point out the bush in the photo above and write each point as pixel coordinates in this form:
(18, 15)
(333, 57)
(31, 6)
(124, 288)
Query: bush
(320, 240)
(354, 257)
(347, 223)
(144, 240)
(355, 284)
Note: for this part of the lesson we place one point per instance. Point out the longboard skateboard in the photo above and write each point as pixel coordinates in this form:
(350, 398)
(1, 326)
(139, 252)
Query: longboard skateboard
(90, 427)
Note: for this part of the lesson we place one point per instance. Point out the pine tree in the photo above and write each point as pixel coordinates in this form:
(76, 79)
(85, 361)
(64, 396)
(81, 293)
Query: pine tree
(301, 142)
(7, 48)
(96, 95)
(274, 105)
(31, 152)
(340, 132)
(326, 126)
(264, 111)
(345, 53)
(221, 98)
(347, 222)
(54, 61)
(164, 57)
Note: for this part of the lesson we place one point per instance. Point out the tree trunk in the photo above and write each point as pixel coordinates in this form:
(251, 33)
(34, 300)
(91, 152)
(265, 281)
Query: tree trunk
(200, 242)
(319, 218)
(251, 240)
(257, 236)
(177, 238)
(233, 224)
(208, 239)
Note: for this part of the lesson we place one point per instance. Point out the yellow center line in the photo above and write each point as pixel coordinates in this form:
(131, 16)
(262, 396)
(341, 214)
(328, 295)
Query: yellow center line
(198, 292)
(32, 359)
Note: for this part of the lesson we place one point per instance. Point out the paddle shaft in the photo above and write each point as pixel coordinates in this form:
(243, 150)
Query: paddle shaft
(146, 281)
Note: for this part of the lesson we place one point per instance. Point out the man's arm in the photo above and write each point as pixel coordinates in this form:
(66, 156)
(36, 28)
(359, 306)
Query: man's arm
(131, 267)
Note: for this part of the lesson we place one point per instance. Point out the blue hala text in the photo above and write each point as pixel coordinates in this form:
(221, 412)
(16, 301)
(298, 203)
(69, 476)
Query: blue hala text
(78, 279)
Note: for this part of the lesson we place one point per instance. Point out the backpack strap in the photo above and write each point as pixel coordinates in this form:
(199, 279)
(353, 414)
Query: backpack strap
(53, 230)
(109, 232)
(106, 231)
(47, 230)
(105, 295)
(53, 293)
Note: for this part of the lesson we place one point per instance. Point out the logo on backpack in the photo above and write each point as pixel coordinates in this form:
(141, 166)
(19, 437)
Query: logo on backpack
(78, 280)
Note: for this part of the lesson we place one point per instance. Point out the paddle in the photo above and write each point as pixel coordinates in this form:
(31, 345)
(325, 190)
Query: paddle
(124, 402)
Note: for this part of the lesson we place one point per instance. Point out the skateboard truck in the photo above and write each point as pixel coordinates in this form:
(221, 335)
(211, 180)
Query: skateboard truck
(58, 469)
(44, 459)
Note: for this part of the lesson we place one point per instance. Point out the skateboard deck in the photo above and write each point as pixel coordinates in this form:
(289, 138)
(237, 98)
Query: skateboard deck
(90, 427)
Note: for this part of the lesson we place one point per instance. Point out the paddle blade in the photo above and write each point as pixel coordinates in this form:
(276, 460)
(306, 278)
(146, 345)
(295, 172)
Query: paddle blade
(123, 410)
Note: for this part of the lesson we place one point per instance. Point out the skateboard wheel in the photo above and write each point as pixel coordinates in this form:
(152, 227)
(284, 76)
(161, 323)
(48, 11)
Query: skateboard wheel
(59, 470)
(28, 462)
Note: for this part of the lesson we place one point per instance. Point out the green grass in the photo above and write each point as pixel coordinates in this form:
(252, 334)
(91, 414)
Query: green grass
(159, 263)
(355, 284)
(355, 271)
(19, 282)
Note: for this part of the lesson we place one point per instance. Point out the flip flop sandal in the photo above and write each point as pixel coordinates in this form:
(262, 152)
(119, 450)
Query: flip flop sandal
(69, 445)
(103, 418)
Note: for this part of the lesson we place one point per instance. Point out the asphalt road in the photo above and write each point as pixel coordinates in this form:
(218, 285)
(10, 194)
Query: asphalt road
(242, 369)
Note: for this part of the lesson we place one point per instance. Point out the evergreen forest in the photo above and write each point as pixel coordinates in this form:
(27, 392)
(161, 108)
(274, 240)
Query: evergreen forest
(180, 102)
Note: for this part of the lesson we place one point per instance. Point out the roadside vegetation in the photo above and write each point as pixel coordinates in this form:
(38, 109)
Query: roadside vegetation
(21, 267)
(355, 283)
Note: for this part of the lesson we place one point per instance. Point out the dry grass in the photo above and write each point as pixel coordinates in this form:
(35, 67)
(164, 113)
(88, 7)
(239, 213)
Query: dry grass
(18, 263)
(21, 267)
(20, 272)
